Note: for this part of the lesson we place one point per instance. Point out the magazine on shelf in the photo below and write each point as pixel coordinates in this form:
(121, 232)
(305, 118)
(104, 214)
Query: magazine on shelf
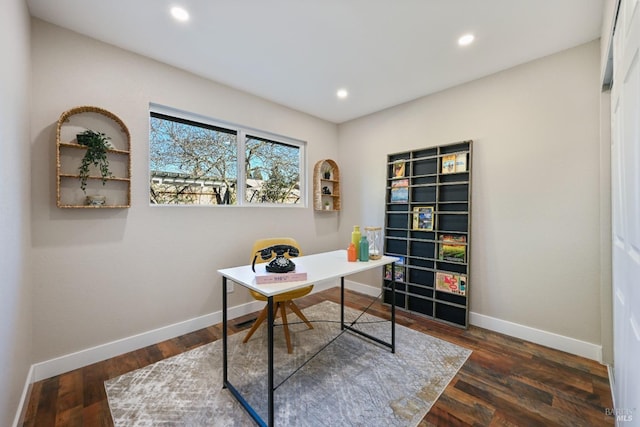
(400, 191)
(423, 218)
(453, 248)
(449, 163)
(461, 162)
(398, 169)
(451, 283)
(399, 274)
(454, 163)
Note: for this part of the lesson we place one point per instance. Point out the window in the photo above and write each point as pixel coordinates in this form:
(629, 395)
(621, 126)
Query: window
(273, 171)
(197, 161)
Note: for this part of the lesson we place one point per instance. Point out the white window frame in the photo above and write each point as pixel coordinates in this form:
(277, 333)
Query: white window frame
(242, 132)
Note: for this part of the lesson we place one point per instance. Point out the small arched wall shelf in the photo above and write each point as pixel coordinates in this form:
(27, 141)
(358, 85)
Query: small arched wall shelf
(326, 186)
(117, 187)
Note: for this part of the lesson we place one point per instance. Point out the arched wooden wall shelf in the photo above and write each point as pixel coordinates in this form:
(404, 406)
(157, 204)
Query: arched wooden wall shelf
(326, 186)
(116, 188)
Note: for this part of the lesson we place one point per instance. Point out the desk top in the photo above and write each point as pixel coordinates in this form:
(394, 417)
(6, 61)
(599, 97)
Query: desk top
(322, 266)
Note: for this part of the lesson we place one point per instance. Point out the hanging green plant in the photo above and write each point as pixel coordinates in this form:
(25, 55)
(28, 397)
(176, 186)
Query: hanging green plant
(97, 144)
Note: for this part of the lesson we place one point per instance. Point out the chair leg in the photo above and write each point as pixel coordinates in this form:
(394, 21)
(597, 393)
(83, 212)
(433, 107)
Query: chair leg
(296, 310)
(256, 324)
(282, 306)
(285, 326)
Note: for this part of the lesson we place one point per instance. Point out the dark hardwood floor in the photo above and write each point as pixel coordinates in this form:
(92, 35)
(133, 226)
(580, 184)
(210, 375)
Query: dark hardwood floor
(505, 382)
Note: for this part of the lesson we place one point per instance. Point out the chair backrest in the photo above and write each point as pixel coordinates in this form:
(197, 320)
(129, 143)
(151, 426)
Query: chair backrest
(265, 243)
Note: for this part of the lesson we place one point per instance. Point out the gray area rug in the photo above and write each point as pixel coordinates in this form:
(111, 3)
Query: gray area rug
(351, 382)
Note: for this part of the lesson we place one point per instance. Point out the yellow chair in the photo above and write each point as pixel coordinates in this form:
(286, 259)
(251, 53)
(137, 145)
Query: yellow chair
(282, 301)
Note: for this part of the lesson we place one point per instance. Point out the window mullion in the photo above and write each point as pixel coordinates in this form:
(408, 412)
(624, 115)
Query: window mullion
(302, 162)
(242, 173)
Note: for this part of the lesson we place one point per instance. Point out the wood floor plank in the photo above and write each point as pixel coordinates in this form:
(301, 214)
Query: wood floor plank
(71, 417)
(97, 415)
(440, 416)
(520, 407)
(35, 394)
(46, 408)
(169, 348)
(121, 364)
(505, 382)
(591, 416)
(148, 355)
(464, 407)
(602, 389)
(70, 391)
(553, 374)
(93, 379)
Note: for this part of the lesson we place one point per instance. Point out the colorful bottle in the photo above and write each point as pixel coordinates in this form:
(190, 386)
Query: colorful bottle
(355, 238)
(364, 249)
(351, 253)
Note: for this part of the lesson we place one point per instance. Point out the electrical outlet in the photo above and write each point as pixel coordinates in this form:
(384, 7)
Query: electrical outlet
(229, 286)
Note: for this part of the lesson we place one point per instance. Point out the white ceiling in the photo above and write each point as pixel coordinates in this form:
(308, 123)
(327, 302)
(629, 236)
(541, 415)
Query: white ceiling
(300, 52)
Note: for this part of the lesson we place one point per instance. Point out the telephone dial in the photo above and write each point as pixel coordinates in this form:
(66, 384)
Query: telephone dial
(279, 264)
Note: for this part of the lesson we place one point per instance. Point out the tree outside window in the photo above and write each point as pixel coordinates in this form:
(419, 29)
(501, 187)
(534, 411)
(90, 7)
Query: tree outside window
(274, 170)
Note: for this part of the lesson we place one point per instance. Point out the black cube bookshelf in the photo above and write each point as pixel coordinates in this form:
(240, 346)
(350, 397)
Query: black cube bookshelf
(428, 225)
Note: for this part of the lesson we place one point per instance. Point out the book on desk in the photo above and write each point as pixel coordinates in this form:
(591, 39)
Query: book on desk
(263, 277)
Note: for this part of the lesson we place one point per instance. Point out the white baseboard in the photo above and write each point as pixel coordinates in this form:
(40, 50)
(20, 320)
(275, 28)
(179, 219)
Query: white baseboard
(24, 399)
(538, 336)
(69, 362)
(612, 385)
(348, 284)
(373, 291)
(548, 339)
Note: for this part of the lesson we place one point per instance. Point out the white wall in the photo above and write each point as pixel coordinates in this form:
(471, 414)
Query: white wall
(15, 284)
(535, 227)
(106, 275)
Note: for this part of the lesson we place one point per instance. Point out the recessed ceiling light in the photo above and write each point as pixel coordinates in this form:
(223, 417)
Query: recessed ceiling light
(179, 14)
(466, 40)
(342, 93)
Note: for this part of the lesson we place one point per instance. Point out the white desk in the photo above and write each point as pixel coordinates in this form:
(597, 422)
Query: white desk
(324, 266)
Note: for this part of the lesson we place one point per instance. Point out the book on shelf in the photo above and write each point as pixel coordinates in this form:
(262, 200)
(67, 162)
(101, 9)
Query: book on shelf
(423, 218)
(400, 191)
(451, 283)
(461, 162)
(453, 248)
(399, 270)
(398, 169)
(449, 163)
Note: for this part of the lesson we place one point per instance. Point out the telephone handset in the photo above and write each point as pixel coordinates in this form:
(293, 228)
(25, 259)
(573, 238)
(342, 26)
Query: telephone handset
(279, 264)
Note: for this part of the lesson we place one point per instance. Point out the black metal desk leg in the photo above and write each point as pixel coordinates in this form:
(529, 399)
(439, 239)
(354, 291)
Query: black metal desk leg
(341, 303)
(270, 357)
(225, 379)
(393, 307)
(224, 332)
